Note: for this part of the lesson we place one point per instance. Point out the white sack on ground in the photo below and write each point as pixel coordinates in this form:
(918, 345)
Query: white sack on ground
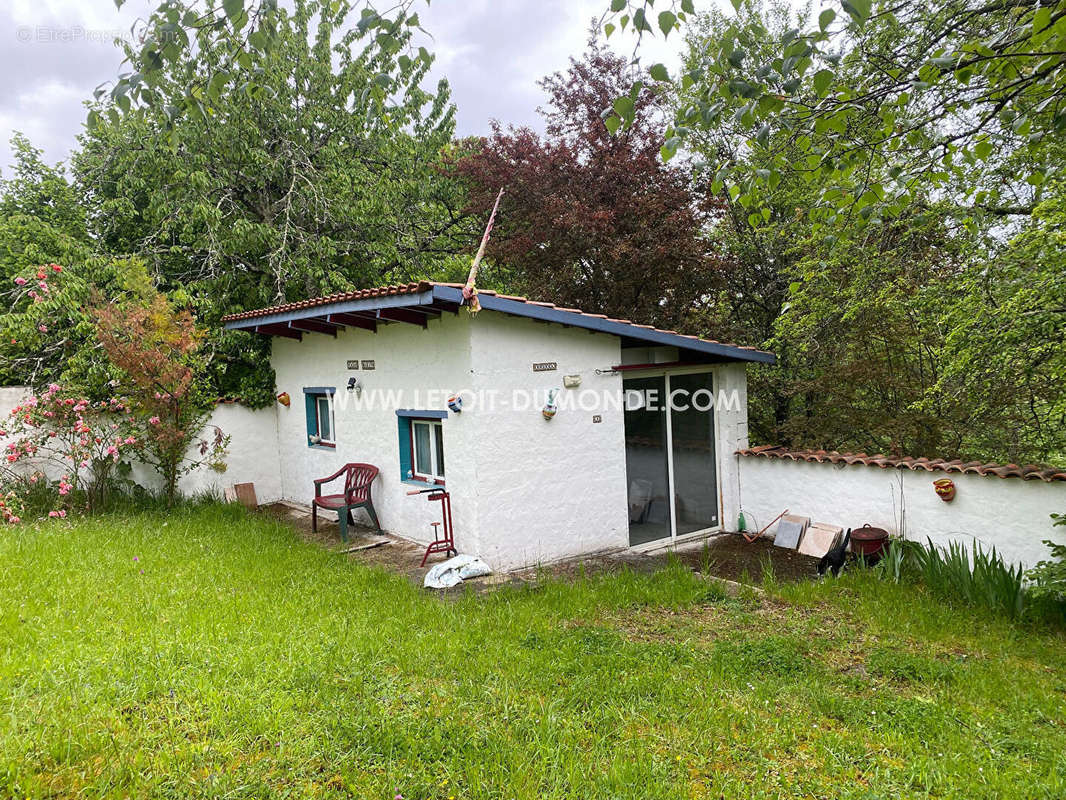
(454, 571)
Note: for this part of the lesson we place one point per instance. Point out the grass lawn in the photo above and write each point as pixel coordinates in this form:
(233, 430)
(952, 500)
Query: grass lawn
(211, 654)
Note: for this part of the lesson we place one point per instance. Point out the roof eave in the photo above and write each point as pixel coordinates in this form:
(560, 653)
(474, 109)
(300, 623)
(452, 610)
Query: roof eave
(609, 326)
(453, 296)
(342, 307)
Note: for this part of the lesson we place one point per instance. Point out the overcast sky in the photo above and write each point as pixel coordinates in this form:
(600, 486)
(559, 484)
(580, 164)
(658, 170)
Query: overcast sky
(53, 53)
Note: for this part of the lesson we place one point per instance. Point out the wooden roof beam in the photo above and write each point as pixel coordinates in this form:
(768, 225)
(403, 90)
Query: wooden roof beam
(366, 322)
(313, 326)
(279, 329)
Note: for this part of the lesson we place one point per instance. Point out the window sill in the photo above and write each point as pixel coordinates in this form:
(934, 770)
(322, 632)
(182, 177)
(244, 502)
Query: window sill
(422, 484)
(331, 448)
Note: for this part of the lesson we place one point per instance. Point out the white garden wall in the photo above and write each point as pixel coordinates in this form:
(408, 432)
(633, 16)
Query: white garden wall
(253, 452)
(731, 381)
(1009, 514)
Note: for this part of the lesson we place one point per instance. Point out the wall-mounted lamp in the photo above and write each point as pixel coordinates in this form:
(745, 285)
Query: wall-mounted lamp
(355, 386)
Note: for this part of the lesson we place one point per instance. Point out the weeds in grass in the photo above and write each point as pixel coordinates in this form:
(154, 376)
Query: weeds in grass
(706, 560)
(757, 658)
(769, 575)
(909, 667)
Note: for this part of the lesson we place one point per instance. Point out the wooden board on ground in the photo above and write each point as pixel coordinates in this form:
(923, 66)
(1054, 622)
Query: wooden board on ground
(820, 538)
(376, 542)
(790, 530)
(246, 494)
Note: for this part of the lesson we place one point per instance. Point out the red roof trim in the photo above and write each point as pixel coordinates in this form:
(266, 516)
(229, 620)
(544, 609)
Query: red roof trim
(1027, 472)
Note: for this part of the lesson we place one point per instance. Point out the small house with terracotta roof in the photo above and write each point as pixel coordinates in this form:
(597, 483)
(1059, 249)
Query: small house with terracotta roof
(549, 427)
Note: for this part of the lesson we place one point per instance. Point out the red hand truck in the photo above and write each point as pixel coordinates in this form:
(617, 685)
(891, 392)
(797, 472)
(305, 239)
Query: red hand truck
(446, 543)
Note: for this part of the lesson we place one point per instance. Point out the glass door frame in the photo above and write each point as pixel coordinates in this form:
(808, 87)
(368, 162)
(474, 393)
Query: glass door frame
(671, 541)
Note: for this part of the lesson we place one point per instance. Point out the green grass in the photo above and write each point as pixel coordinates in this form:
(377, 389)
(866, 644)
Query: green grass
(209, 654)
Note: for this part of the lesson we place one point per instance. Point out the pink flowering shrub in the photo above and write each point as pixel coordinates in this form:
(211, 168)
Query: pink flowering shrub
(12, 507)
(58, 432)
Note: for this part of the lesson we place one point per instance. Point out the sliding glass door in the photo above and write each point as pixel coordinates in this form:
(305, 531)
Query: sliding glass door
(671, 463)
(647, 459)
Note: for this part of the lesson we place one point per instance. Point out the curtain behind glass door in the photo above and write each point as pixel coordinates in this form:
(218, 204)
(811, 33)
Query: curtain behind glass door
(692, 437)
(646, 459)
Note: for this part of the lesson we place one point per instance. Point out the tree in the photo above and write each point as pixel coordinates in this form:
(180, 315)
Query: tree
(1004, 355)
(305, 188)
(41, 222)
(889, 104)
(593, 220)
(46, 332)
(244, 30)
(155, 349)
(917, 335)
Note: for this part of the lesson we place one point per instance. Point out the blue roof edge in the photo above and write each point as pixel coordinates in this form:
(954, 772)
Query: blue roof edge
(609, 326)
(489, 302)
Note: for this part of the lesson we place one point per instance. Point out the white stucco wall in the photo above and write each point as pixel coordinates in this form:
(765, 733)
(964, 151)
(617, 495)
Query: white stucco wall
(1008, 513)
(419, 367)
(547, 489)
(731, 381)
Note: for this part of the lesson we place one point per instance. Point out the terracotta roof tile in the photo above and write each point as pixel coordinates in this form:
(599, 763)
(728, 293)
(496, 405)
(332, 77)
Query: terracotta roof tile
(1028, 472)
(423, 286)
(339, 297)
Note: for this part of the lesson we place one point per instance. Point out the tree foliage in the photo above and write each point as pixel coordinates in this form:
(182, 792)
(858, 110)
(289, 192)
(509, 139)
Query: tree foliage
(915, 336)
(305, 189)
(42, 220)
(589, 219)
(47, 334)
(243, 32)
(888, 102)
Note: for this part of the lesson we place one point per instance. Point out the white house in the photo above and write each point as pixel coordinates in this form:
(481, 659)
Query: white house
(369, 374)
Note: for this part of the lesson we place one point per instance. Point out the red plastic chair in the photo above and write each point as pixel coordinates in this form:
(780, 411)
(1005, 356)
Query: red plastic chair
(357, 481)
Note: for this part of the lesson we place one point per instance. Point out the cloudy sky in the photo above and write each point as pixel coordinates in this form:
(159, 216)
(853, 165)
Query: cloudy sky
(53, 53)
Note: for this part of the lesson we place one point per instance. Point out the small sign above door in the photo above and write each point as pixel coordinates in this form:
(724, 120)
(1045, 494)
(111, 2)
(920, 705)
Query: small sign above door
(368, 364)
(545, 366)
(353, 363)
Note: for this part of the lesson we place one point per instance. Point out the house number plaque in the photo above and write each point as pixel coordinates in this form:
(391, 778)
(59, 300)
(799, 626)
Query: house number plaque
(545, 366)
(353, 364)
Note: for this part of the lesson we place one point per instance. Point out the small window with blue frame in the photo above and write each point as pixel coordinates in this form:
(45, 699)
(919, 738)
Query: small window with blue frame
(321, 429)
(421, 446)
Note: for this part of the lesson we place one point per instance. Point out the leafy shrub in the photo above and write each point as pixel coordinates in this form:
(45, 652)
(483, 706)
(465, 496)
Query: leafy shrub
(1048, 578)
(982, 579)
